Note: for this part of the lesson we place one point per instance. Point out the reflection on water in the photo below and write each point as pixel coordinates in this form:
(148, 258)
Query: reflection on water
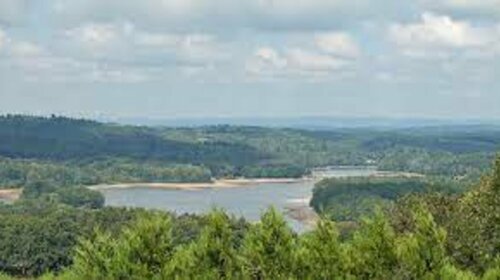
(248, 201)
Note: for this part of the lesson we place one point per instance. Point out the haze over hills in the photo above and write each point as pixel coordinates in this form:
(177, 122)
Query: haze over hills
(314, 123)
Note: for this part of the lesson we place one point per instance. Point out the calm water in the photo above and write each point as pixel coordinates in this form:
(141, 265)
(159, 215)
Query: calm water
(248, 201)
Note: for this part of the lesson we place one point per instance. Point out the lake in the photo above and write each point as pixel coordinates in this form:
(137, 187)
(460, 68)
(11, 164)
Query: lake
(248, 201)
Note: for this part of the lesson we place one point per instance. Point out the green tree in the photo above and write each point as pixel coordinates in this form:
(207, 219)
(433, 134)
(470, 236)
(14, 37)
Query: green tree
(475, 227)
(36, 188)
(139, 253)
(422, 253)
(80, 197)
(450, 272)
(321, 255)
(268, 248)
(372, 250)
(212, 256)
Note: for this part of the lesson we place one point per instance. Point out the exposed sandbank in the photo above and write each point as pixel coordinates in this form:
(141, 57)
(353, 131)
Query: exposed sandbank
(222, 183)
(235, 183)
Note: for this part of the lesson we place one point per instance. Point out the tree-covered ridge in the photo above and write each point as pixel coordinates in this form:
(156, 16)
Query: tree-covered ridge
(449, 151)
(349, 199)
(88, 152)
(59, 138)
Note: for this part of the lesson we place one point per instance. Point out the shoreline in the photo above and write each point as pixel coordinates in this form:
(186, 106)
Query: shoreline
(220, 183)
(237, 183)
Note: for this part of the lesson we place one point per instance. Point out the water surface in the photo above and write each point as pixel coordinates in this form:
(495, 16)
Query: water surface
(247, 201)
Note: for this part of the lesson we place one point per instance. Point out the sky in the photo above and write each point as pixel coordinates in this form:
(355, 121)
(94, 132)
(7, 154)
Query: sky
(251, 58)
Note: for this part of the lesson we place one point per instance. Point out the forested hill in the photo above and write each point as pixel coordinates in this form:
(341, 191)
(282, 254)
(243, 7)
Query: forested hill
(59, 138)
(92, 152)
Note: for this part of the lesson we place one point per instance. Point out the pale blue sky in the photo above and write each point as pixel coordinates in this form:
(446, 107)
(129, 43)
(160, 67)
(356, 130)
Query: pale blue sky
(251, 58)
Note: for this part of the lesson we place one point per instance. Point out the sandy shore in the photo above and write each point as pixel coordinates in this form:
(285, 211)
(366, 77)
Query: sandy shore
(10, 194)
(392, 174)
(222, 183)
(234, 183)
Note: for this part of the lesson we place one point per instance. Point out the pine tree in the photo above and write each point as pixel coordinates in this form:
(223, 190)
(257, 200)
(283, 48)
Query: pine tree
(475, 231)
(212, 256)
(372, 250)
(321, 254)
(450, 272)
(144, 248)
(184, 265)
(422, 254)
(268, 249)
(139, 253)
(93, 257)
(493, 273)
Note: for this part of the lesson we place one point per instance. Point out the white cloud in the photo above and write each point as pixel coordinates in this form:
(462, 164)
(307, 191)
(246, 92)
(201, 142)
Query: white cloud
(112, 52)
(337, 43)
(304, 61)
(126, 41)
(269, 56)
(34, 63)
(330, 54)
(25, 49)
(107, 74)
(438, 31)
(440, 36)
(267, 62)
(190, 48)
(47, 67)
(18, 48)
(95, 36)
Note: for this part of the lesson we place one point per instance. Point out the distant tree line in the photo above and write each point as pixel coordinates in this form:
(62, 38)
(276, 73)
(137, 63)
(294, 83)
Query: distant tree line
(20, 172)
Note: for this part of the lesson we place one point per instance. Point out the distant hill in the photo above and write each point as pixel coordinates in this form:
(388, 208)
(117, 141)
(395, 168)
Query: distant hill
(231, 150)
(60, 138)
